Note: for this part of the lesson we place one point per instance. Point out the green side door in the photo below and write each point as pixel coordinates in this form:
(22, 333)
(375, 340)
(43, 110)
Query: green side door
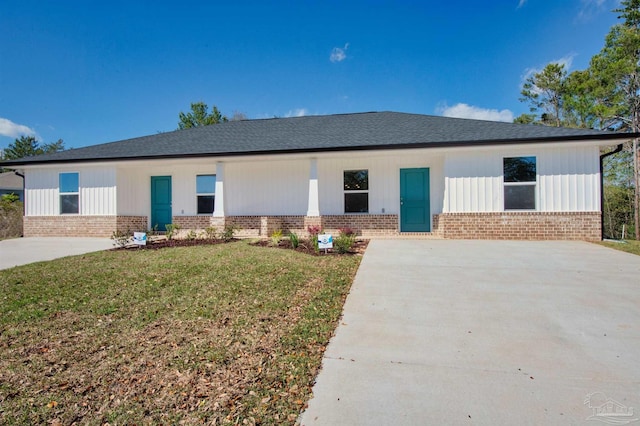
(415, 212)
(161, 215)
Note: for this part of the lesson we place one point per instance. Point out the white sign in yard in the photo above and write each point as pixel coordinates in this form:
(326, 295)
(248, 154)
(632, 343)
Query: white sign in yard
(325, 241)
(140, 238)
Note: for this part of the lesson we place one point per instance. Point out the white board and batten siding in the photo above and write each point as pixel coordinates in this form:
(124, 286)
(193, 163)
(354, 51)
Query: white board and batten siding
(568, 179)
(134, 186)
(97, 190)
(281, 187)
(384, 180)
(268, 187)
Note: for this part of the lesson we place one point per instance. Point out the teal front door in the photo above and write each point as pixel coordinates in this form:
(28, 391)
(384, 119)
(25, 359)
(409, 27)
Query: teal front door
(415, 213)
(160, 202)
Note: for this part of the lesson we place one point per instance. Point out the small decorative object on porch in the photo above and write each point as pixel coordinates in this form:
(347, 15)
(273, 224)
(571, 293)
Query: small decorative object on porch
(325, 241)
(140, 238)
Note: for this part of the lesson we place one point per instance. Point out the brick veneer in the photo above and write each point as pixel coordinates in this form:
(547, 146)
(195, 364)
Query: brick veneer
(363, 224)
(366, 225)
(498, 226)
(81, 226)
(519, 226)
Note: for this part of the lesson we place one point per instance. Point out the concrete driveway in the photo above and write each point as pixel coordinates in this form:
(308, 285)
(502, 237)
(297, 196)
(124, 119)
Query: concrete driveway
(485, 333)
(20, 251)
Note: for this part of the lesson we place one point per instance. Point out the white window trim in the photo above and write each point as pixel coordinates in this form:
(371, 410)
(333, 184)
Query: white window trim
(205, 194)
(532, 183)
(60, 194)
(354, 191)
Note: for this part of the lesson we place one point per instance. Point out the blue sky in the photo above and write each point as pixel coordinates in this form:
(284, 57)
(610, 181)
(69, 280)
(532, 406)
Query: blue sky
(90, 72)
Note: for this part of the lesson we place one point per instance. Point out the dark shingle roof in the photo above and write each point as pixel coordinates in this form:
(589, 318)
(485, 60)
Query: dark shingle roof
(341, 132)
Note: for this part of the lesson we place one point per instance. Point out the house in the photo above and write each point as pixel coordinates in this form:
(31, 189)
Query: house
(379, 173)
(10, 183)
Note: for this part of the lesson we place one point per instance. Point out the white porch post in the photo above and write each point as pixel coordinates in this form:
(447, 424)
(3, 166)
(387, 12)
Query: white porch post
(218, 209)
(313, 208)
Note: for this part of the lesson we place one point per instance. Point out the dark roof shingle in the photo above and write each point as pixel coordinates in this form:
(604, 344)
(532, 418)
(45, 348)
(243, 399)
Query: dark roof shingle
(340, 132)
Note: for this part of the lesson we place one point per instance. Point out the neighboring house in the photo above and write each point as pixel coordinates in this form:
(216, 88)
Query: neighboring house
(379, 173)
(10, 183)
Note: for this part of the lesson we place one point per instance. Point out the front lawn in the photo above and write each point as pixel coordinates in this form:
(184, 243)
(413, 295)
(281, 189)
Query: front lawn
(222, 334)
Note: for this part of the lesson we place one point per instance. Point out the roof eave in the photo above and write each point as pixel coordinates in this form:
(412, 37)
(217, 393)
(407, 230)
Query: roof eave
(447, 144)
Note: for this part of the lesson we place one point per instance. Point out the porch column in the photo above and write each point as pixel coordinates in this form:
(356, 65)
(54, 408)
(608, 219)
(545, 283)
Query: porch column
(218, 208)
(313, 208)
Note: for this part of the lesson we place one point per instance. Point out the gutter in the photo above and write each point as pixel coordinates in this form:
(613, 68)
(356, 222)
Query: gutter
(602, 157)
(23, 191)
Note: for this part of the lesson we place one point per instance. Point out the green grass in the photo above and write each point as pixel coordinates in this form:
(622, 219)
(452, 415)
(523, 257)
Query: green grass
(630, 246)
(224, 334)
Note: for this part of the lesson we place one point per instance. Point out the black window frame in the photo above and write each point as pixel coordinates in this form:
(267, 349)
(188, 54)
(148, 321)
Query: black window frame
(520, 180)
(356, 191)
(202, 196)
(69, 198)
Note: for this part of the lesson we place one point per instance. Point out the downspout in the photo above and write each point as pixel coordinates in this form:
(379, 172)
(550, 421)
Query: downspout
(602, 157)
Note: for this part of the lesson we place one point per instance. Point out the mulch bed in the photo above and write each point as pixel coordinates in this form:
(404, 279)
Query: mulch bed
(156, 244)
(305, 246)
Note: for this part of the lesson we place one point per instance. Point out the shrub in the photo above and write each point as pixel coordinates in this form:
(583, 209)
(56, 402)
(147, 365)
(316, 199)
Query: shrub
(10, 218)
(295, 240)
(347, 231)
(314, 230)
(121, 239)
(211, 232)
(276, 236)
(191, 235)
(228, 233)
(171, 231)
(344, 242)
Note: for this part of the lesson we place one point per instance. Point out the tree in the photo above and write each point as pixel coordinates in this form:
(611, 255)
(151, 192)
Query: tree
(28, 146)
(200, 116)
(616, 70)
(545, 91)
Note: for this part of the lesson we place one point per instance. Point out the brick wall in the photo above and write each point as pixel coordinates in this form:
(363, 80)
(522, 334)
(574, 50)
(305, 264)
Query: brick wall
(192, 222)
(503, 226)
(131, 224)
(69, 226)
(519, 226)
(366, 225)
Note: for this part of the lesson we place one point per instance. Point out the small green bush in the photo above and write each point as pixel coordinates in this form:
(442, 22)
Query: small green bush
(171, 230)
(211, 232)
(191, 235)
(228, 233)
(295, 240)
(344, 242)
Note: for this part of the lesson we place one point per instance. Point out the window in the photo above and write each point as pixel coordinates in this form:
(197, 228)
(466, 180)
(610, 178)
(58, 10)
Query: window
(69, 193)
(206, 193)
(519, 183)
(356, 191)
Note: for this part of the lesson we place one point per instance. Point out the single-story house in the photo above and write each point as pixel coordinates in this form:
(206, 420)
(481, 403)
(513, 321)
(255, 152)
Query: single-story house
(379, 173)
(11, 183)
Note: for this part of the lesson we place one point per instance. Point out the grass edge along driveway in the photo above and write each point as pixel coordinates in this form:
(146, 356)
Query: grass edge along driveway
(222, 334)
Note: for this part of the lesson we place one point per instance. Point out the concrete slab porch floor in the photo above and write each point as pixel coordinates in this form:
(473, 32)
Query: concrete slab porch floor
(21, 251)
(484, 333)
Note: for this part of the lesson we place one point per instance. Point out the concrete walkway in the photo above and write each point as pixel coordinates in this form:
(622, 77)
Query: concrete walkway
(21, 251)
(484, 333)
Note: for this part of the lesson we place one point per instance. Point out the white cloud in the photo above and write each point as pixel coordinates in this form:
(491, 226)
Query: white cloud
(14, 130)
(521, 3)
(299, 112)
(591, 8)
(462, 110)
(339, 54)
